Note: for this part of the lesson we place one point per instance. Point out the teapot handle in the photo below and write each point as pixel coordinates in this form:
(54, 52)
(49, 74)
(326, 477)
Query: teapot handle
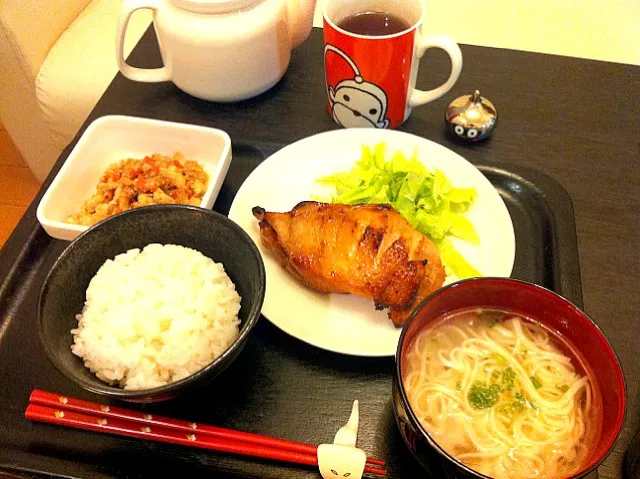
(132, 73)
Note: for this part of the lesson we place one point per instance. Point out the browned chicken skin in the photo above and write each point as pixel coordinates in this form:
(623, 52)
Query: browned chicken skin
(367, 250)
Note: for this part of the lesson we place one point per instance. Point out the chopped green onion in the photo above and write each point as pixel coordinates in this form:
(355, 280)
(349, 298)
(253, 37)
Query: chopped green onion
(483, 397)
(508, 378)
(536, 382)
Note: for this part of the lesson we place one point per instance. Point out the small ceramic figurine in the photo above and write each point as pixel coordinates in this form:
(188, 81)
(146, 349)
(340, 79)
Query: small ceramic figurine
(343, 458)
(471, 118)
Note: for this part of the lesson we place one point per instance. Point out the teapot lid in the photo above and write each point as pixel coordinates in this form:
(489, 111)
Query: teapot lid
(213, 6)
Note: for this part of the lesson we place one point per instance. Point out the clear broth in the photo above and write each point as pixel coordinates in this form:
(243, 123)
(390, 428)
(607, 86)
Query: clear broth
(428, 365)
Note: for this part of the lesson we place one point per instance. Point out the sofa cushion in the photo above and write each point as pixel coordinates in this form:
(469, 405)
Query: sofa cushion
(28, 29)
(21, 19)
(81, 65)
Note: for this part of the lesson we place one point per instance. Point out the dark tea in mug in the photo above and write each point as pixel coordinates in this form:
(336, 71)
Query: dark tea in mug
(373, 24)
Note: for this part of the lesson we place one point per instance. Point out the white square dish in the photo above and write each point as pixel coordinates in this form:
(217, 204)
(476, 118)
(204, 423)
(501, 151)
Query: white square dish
(113, 138)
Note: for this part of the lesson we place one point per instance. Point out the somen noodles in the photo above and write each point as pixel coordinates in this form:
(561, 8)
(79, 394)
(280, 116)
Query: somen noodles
(497, 392)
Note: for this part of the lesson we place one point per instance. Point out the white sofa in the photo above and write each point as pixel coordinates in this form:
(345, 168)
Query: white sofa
(56, 60)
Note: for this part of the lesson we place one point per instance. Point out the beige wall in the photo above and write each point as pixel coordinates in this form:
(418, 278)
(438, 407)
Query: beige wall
(598, 29)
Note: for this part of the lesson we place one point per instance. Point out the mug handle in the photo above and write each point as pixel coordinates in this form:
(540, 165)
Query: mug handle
(420, 97)
(132, 73)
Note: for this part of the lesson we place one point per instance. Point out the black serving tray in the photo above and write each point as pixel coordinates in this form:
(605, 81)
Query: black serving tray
(278, 386)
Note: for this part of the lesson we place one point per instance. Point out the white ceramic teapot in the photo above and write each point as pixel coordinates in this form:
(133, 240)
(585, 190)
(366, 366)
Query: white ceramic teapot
(220, 50)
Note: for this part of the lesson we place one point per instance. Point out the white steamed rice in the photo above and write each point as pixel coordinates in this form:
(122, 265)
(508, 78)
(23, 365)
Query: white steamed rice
(155, 316)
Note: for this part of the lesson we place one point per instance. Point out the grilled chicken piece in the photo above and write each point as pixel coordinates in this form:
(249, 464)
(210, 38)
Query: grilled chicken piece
(367, 250)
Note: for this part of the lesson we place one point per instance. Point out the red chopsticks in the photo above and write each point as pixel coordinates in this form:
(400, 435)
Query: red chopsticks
(66, 411)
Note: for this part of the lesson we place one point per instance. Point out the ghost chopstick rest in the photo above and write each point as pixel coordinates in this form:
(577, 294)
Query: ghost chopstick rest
(343, 458)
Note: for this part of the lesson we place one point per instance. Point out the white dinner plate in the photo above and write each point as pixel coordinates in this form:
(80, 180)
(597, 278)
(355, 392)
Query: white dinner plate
(346, 323)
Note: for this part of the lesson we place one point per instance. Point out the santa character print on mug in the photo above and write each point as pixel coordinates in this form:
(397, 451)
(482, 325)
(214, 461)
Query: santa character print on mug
(371, 55)
(354, 102)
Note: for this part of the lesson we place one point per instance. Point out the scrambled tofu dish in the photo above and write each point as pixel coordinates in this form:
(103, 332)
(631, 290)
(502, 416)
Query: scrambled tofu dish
(154, 180)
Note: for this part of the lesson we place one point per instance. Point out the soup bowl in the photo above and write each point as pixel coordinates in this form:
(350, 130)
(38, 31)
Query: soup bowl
(579, 335)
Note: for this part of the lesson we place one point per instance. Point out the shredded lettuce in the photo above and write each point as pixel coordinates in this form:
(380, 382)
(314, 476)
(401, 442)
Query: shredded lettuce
(426, 199)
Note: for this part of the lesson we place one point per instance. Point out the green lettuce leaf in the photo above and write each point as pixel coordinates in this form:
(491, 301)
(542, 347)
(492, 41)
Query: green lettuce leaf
(426, 199)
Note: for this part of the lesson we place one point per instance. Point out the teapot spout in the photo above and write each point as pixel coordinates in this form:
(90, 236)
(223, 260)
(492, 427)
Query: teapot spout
(300, 20)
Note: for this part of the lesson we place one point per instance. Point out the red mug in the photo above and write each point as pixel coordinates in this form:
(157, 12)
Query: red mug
(371, 79)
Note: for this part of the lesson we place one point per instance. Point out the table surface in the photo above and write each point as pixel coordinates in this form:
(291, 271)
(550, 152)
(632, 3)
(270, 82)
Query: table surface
(576, 120)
